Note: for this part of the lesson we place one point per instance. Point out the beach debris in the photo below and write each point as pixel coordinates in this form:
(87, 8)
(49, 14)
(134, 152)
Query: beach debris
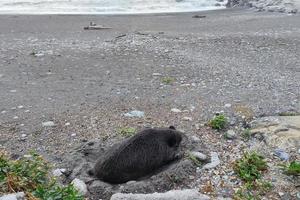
(120, 36)
(48, 124)
(135, 113)
(94, 26)
(199, 16)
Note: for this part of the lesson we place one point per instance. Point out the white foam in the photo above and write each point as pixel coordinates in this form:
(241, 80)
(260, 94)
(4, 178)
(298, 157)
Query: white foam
(104, 6)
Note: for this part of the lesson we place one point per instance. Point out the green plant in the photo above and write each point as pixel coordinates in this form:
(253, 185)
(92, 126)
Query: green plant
(127, 131)
(292, 168)
(194, 159)
(250, 166)
(57, 192)
(30, 175)
(253, 190)
(246, 134)
(289, 114)
(168, 80)
(218, 122)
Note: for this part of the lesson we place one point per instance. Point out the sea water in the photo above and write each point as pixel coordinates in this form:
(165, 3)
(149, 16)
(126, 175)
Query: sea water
(105, 6)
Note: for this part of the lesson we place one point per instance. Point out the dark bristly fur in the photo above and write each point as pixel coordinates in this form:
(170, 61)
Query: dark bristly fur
(138, 156)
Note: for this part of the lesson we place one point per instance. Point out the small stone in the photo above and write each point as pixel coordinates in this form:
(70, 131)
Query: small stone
(230, 134)
(80, 186)
(73, 134)
(195, 139)
(197, 126)
(39, 54)
(280, 194)
(12, 91)
(199, 156)
(58, 172)
(215, 161)
(281, 154)
(16, 117)
(23, 135)
(48, 124)
(3, 111)
(299, 151)
(26, 111)
(298, 195)
(135, 113)
(67, 124)
(15, 196)
(187, 119)
(175, 110)
(20, 107)
(156, 74)
(227, 105)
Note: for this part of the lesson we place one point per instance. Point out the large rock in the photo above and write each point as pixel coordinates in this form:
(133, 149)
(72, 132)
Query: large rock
(280, 131)
(188, 194)
(287, 6)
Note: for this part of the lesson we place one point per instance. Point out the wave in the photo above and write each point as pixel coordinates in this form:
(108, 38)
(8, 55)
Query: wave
(106, 6)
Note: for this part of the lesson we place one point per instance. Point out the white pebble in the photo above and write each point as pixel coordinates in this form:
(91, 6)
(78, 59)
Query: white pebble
(73, 134)
(23, 135)
(3, 112)
(227, 105)
(80, 186)
(58, 172)
(175, 110)
(20, 106)
(48, 124)
(12, 91)
(156, 74)
(199, 156)
(187, 119)
(16, 117)
(67, 124)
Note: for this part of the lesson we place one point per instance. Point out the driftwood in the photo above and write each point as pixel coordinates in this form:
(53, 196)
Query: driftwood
(94, 26)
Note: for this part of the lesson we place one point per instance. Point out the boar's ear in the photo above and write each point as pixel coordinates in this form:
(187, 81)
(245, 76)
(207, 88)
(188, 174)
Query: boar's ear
(172, 127)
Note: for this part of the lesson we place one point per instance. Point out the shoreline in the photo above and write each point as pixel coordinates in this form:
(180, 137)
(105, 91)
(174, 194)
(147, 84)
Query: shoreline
(53, 70)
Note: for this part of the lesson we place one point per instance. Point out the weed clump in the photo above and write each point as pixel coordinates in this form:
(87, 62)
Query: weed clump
(292, 168)
(218, 122)
(127, 131)
(250, 166)
(246, 134)
(168, 80)
(30, 175)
